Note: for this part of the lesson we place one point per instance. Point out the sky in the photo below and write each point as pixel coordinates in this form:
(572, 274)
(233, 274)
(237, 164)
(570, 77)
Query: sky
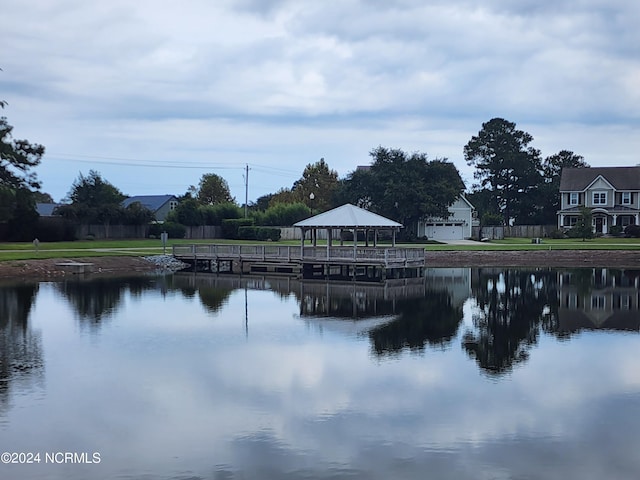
(154, 94)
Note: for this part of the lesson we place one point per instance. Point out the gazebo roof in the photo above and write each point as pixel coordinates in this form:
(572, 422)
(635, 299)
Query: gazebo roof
(348, 216)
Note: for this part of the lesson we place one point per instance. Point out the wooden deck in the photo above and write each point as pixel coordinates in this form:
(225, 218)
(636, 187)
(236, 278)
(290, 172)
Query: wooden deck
(361, 256)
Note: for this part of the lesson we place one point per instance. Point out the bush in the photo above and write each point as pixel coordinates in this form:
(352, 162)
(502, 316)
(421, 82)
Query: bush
(616, 230)
(557, 233)
(283, 214)
(632, 231)
(491, 220)
(268, 234)
(230, 227)
(174, 230)
(247, 233)
(215, 214)
(55, 229)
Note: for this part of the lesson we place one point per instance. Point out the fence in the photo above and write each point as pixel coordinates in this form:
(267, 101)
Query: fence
(515, 231)
(141, 231)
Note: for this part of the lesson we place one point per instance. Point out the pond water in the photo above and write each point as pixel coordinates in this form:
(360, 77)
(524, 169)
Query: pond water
(467, 374)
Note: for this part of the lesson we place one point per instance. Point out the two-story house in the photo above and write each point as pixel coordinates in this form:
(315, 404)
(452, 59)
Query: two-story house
(612, 194)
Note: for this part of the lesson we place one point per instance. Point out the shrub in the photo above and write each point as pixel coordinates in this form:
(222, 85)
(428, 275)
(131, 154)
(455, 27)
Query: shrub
(268, 233)
(632, 231)
(491, 220)
(215, 214)
(173, 229)
(54, 229)
(557, 233)
(247, 233)
(230, 227)
(616, 230)
(283, 214)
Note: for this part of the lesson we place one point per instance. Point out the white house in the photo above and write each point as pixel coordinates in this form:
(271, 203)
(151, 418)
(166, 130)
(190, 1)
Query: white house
(456, 227)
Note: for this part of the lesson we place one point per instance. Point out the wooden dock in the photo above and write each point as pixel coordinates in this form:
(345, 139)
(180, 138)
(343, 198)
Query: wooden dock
(335, 262)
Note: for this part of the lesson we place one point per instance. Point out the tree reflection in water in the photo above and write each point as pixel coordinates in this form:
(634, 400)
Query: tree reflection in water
(432, 320)
(21, 356)
(512, 306)
(98, 298)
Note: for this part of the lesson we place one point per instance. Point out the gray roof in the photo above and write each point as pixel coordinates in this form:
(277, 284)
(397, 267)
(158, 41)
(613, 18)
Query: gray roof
(578, 179)
(46, 209)
(348, 216)
(152, 202)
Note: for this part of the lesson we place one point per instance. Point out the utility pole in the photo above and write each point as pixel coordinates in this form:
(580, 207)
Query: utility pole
(246, 190)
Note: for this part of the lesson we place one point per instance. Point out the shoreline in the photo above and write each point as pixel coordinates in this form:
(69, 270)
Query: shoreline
(44, 269)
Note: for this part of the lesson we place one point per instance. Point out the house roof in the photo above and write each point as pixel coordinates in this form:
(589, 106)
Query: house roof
(348, 216)
(578, 179)
(46, 209)
(152, 202)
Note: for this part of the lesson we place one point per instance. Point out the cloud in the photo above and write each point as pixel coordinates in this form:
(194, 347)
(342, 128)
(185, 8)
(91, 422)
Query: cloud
(344, 77)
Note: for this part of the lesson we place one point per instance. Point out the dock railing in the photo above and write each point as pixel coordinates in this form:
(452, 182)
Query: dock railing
(340, 254)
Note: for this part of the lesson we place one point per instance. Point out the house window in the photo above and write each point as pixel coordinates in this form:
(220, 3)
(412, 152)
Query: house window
(570, 221)
(625, 302)
(626, 198)
(599, 198)
(598, 302)
(573, 198)
(625, 220)
(172, 205)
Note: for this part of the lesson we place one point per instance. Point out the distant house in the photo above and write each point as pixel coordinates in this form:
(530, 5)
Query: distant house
(46, 209)
(611, 193)
(456, 227)
(160, 205)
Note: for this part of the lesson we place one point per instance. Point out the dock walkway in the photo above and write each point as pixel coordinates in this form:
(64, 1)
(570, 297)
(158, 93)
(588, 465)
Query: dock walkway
(315, 261)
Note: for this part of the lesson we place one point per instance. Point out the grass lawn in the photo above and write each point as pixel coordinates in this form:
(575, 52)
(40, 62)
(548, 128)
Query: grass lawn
(94, 248)
(548, 244)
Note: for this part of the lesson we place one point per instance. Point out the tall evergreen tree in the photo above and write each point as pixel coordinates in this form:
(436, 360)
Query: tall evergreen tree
(506, 165)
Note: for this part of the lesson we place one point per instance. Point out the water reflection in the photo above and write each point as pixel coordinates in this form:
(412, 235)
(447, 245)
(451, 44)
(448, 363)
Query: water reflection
(21, 358)
(334, 381)
(96, 299)
(512, 307)
(598, 299)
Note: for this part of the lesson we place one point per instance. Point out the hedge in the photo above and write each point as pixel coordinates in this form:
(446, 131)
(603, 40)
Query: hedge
(230, 227)
(175, 230)
(259, 233)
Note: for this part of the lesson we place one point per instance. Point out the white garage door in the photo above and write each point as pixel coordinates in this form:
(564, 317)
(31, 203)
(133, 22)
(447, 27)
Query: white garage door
(445, 232)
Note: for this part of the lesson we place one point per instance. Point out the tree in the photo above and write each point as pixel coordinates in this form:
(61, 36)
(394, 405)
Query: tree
(582, 228)
(42, 197)
(17, 159)
(316, 186)
(187, 213)
(93, 200)
(213, 189)
(549, 192)
(404, 187)
(17, 180)
(506, 166)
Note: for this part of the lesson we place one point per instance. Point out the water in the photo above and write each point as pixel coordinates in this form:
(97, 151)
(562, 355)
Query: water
(469, 374)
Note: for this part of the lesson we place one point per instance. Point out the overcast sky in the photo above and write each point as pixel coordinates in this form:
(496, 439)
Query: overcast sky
(153, 94)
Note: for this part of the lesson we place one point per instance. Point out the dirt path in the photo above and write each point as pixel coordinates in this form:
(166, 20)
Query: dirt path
(50, 268)
(535, 258)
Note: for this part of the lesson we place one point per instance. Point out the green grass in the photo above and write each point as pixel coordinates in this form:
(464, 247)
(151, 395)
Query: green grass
(548, 244)
(99, 248)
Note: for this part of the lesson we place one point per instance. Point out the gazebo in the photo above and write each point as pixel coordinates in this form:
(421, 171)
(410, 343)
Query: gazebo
(351, 218)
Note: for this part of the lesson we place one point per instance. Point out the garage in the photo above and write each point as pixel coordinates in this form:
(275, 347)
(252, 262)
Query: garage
(444, 231)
